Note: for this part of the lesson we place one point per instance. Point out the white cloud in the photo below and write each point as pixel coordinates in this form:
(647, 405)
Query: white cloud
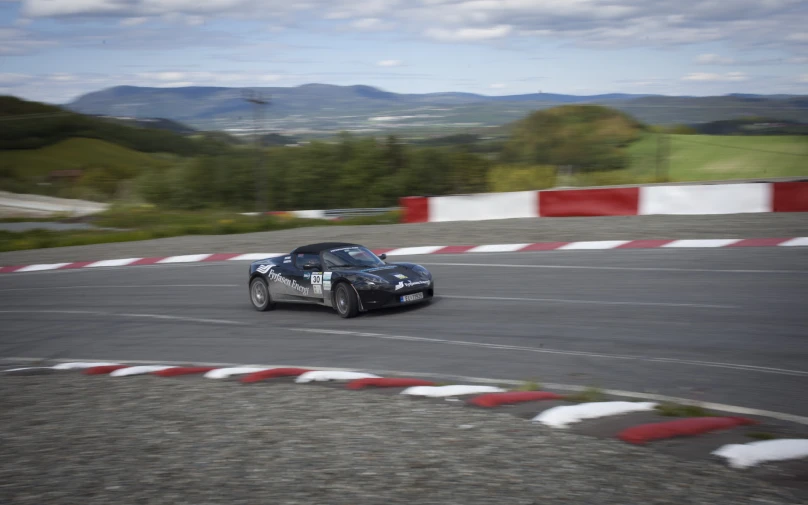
(14, 41)
(799, 60)
(165, 76)
(370, 24)
(803, 78)
(62, 77)
(171, 77)
(389, 63)
(133, 21)
(498, 86)
(132, 8)
(708, 77)
(8, 80)
(760, 24)
(714, 59)
(469, 34)
(194, 20)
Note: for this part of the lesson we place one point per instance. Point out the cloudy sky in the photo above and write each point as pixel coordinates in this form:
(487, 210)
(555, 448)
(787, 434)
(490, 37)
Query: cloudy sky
(54, 50)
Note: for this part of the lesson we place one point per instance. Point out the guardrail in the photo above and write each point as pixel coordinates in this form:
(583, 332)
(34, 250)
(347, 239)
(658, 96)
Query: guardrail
(338, 213)
(328, 213)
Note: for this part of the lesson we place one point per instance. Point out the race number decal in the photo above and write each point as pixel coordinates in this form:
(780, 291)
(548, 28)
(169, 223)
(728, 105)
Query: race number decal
(317, 279)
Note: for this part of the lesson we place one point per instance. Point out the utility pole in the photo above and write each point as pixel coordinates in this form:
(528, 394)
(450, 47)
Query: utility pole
(258, 101)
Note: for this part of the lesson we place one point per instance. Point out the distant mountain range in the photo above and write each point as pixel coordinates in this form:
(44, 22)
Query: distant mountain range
(324, 108)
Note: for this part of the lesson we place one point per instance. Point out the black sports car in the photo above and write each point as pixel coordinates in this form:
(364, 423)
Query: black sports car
(347, 277)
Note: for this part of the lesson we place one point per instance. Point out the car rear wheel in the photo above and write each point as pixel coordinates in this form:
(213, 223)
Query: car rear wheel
(259, 294)
(345, 301)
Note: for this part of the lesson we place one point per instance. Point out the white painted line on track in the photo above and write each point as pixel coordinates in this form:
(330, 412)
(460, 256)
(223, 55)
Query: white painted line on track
(415, 251)
(702, 243)
(592, 245)
(795, 242)
(592, 267)
(733, 409)
(131, 286)
(42, 268)
(112, 263)
(484, 345)
(189, 258)
(497, 248)
(146, 316)
(544, 350)
(586, 302)
(458, 297)
(255, 256)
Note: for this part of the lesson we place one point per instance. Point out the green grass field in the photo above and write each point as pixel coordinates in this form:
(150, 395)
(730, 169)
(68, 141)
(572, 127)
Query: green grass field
(78, 153)
(715, 157)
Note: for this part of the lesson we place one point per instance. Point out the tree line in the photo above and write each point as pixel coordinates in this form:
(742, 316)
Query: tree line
(352, 172)
(348, 171)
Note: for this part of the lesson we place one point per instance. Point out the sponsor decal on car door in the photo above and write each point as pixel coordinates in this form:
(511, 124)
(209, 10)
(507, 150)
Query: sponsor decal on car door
(281, 282)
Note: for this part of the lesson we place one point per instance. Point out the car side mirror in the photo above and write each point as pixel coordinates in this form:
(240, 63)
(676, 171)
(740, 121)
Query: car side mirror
(383, 257)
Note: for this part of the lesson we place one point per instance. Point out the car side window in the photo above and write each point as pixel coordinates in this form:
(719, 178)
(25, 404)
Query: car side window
(331, 261)
(304, 259)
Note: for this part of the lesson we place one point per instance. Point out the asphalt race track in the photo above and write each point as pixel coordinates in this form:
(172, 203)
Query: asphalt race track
(727, 326)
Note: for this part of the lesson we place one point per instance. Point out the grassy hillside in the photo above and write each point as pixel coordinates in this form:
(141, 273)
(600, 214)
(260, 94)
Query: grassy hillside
(716, 157)
(103, 164)
(78, 153)
(31, 125)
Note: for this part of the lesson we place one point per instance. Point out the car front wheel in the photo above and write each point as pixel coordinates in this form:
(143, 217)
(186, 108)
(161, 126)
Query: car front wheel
(259, 294)
(345, 301)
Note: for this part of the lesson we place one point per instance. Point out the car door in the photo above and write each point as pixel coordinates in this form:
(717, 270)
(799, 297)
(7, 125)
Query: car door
(308, 277)
(279, 277)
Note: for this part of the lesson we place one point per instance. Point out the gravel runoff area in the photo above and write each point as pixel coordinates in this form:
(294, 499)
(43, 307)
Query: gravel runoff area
(509, 231)
(70, 439)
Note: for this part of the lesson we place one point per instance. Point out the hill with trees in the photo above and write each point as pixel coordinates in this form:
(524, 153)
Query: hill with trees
(585, 137)
(319, 108)
(31, 125)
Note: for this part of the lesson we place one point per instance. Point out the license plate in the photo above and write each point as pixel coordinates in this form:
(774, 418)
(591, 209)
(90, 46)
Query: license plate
(412, 298)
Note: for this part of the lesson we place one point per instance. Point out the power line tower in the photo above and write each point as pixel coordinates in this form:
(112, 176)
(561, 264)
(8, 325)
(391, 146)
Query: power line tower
(259, 102)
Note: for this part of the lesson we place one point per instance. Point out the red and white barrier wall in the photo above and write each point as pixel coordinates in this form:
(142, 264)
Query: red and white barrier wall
(631, 201)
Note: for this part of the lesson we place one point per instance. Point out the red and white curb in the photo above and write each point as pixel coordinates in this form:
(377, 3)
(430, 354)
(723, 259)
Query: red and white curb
(737, 455)
(436, 249)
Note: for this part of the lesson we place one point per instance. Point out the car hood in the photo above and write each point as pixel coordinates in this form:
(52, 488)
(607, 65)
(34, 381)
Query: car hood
(400, 275)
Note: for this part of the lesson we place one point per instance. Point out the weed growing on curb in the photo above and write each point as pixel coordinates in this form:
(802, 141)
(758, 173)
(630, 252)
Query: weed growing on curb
(590, 394)
(676, 410)
(530, 385)
(762, 435)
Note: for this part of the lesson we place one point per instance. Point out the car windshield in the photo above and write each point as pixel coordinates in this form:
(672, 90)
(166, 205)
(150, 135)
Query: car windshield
(351, 257)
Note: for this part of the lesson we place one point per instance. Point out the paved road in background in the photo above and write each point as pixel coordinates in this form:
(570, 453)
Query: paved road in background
(716, 325)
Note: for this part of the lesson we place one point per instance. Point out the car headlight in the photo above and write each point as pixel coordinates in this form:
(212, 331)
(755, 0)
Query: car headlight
(372, 280)
(421, 270)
